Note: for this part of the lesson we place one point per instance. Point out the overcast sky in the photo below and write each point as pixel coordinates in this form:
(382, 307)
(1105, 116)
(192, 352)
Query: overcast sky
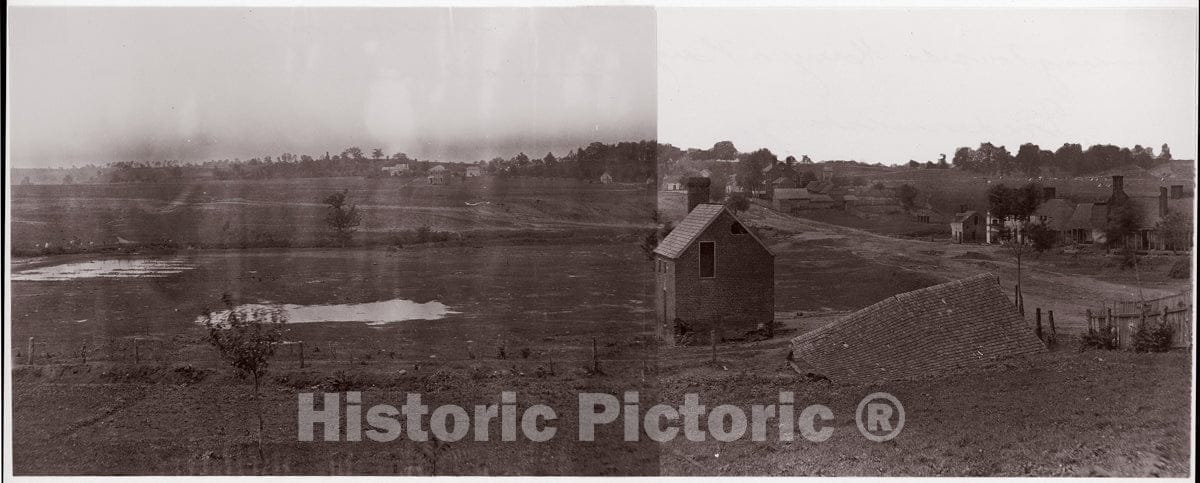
(99, 85)
(893, 85)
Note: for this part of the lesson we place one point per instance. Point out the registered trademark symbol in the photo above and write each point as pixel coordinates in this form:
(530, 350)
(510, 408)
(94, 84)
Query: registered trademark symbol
(880, 417)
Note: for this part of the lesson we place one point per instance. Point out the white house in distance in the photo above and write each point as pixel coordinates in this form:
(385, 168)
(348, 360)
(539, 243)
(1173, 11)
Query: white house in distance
(437, 175)
(396, 170)
(474, 171)
(606, 178)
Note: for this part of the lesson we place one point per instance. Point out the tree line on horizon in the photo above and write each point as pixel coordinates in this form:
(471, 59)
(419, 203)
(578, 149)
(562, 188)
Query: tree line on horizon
(624, 161)
(1070, 158)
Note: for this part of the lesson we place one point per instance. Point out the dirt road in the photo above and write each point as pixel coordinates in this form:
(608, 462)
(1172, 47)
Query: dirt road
(1069, 293)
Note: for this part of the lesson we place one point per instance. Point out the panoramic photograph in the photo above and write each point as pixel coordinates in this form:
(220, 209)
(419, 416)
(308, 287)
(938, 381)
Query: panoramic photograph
(600, 241)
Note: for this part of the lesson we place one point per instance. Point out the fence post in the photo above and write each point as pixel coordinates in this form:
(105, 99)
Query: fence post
(595, 361)
(1108, 323)
(1175, 332)
(29, 356)
(1088, 313)
(1053, 330)
(712, 340)
(302, 354)
(1038, 330)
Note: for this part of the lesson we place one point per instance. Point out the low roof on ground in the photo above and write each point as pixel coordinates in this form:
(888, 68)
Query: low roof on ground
(791, 194)
(928, 331)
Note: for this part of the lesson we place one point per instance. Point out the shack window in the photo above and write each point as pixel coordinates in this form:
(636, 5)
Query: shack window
(708, 259)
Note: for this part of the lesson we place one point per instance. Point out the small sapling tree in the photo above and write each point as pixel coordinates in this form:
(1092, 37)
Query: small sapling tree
(246, 338)
(342, 217)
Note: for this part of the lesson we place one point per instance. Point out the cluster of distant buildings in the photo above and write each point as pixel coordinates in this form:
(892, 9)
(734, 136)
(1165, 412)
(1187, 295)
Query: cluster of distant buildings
(441, 175)
(787, 192)
(438, 174)
(1083, 223)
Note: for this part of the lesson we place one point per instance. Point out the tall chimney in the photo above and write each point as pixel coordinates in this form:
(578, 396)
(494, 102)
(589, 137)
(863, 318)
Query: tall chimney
(698, 192)
(1176, 191)
(1162, 201)
(962, 208)
(1118, 183)
(1048, 193)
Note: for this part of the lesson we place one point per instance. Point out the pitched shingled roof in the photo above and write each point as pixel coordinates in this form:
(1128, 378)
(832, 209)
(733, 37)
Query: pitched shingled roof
(964, 216)
(944, 327)
(692, 226)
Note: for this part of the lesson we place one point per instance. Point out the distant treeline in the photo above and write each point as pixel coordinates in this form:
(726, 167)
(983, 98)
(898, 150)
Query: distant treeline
(1069, 158)
(624, 161)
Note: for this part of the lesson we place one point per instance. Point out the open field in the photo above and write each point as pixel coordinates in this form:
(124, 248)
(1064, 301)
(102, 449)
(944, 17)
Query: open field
(145, 394)
(234, 213)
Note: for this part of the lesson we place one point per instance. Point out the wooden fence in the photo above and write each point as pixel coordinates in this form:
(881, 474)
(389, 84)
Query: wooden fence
(1124, 318)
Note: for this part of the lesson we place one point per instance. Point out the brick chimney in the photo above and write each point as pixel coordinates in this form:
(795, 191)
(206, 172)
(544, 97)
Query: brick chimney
(1162, 201)
(1048, 193)
(1176, 191)
(698, 192)
(1118, 196)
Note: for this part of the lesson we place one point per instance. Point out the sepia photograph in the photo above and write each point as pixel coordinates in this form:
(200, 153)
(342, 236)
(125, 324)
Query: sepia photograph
(599, 240)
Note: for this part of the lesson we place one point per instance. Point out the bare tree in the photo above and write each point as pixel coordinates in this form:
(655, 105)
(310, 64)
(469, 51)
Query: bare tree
(1018, 245)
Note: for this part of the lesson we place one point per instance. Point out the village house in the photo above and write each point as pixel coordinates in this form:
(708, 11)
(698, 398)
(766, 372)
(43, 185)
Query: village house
(1154, 210)
(438, 175)
(474, 171)
(967, 227)
(606, 178)
(396, 170)
(925, 214)
(827, 174)
(1085, 223)
(712, 273)
(731, 185)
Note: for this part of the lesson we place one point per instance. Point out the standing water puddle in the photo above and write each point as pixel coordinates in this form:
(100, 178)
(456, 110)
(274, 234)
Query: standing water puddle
(116, 268)
(373, 313)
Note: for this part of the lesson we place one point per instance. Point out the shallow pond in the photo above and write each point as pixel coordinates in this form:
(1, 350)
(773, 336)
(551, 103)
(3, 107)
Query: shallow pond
(373, 313)
(111, 268)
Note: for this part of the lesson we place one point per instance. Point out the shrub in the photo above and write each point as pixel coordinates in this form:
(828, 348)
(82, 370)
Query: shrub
(342, 381)
(1181, 269)
(189, 375)
(1104, 338)
(1153, 337)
